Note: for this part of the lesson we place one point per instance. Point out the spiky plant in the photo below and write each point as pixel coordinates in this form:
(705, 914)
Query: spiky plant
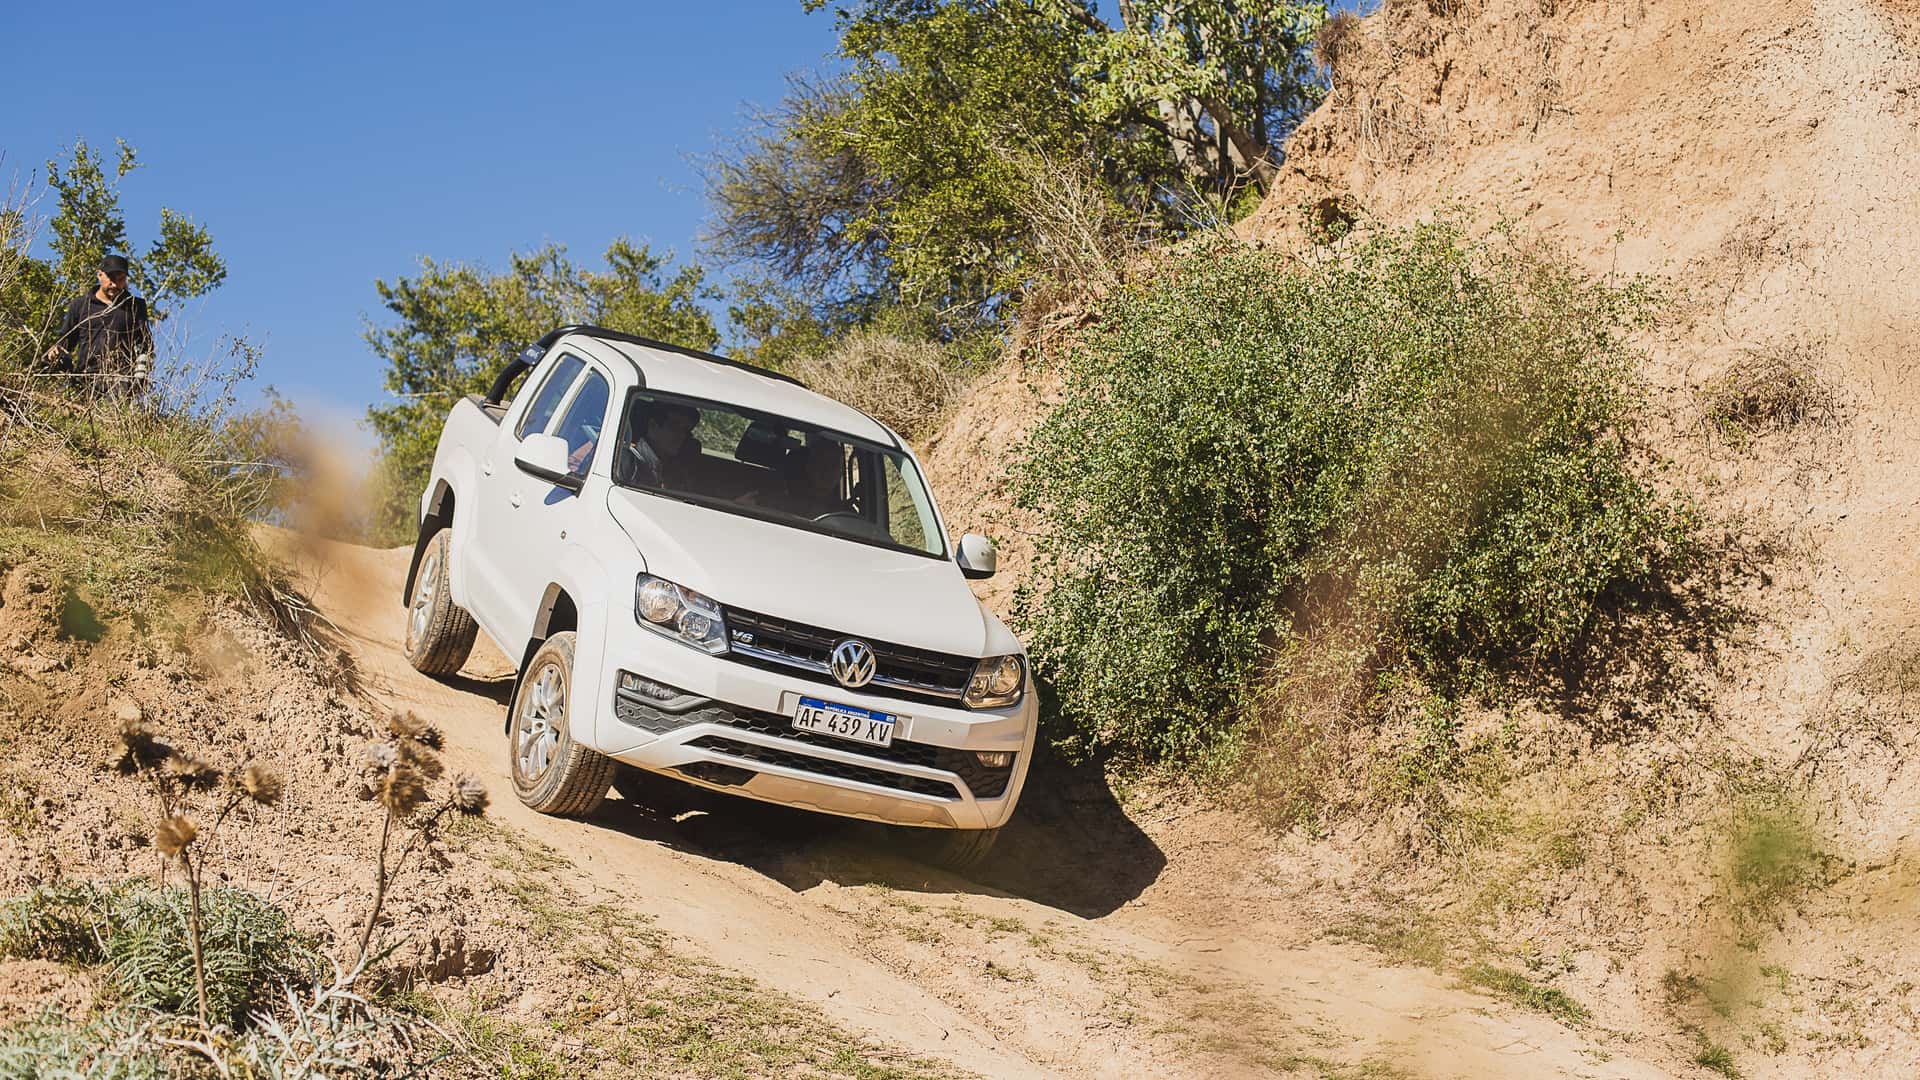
(176, 777)
(399, 772)
(247, 949)
(65, 921)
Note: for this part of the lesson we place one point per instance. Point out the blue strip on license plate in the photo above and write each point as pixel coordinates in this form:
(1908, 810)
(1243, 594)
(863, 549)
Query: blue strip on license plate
(850, 710)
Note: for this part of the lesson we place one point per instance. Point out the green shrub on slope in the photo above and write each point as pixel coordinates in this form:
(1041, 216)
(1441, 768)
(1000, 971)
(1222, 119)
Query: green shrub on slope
(1407, 456)
(117, 1046)
(139, 933)
(252, 952)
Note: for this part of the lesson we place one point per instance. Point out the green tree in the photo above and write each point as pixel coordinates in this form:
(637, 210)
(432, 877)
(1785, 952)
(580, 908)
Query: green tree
(777, 326)
(806, 206)
(906, 181)
(1221, 81)
(88, 222)
(179, 265)
(456, 326)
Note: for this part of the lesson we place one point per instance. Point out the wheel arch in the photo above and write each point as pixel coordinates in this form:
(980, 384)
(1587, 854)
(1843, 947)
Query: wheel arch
(439, 515)
(557, 612)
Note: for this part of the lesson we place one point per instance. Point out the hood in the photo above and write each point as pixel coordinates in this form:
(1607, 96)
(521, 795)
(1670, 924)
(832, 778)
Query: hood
(806, 577)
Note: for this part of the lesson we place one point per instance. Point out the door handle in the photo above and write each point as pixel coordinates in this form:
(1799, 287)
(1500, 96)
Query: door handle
(514, 499)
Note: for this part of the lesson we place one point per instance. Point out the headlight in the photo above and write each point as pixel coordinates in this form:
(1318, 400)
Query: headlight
(679, 613)
(997, 681)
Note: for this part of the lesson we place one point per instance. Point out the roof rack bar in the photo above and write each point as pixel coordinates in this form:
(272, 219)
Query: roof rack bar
(711, 358)
(531, 355)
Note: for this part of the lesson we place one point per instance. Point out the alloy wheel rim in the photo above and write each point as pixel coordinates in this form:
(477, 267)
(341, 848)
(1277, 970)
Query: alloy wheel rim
(543, 714)
(423, 593)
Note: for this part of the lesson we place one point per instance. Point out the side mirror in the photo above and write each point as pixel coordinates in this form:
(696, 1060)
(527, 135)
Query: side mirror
(545, 456)
(976, 557)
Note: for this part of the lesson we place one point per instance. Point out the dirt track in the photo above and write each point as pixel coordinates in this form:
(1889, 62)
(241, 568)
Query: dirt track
(1088, 950)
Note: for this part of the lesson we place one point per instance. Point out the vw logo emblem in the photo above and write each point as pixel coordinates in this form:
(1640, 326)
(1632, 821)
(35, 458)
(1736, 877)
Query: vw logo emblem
(853, 663)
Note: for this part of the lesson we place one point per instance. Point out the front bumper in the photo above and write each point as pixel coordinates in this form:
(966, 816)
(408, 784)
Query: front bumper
(731, 730)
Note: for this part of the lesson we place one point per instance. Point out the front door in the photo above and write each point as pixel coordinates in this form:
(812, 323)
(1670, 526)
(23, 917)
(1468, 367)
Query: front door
(540, 514)
(491, 554)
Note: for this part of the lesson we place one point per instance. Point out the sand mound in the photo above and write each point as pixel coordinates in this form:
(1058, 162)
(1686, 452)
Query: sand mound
(1764, 159)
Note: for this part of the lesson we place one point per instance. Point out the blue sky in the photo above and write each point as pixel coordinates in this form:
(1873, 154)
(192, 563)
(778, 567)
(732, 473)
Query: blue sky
(327, 145)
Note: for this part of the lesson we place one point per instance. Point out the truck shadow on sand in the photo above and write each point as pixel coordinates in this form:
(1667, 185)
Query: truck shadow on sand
(1070, 845)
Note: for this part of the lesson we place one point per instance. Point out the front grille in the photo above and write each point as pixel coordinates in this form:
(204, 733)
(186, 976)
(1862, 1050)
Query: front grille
(919, 785)
(899, 670)
(985, 783)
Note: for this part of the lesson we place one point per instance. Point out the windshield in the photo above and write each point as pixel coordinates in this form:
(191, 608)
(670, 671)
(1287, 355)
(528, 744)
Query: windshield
(775, 469)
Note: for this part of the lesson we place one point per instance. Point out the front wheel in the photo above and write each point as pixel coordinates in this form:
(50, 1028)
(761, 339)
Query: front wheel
(959, 850)
(553, 773)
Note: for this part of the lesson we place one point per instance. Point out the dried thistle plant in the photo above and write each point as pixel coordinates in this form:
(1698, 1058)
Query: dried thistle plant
(191, 773)
(399, 773)
(141, 750)
(469, 795)
(260, 785)
(173, 835)
(176, 777)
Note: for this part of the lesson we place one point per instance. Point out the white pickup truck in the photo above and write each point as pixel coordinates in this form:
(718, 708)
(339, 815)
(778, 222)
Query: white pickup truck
(707, 571)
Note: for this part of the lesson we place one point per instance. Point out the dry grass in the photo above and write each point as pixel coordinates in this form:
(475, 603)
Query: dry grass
(1772, 388)
(1891, 672)
(1339, 40)
(1083, 239)
(906, 385)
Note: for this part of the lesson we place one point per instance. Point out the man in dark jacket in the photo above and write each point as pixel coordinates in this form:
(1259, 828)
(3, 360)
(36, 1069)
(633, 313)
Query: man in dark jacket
(106, 333)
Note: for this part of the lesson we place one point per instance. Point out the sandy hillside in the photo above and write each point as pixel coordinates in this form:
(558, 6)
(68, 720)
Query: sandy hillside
(1763, 159)
(1098, 945)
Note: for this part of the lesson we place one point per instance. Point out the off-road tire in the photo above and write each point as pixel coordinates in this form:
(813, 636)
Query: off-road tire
(959, 850)
(552, 773)
(439, 632)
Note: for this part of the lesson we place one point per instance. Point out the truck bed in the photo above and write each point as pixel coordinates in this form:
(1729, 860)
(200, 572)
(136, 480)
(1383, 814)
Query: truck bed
(493, 411)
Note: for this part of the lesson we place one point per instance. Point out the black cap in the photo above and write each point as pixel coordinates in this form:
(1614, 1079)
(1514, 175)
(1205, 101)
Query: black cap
(113, 264)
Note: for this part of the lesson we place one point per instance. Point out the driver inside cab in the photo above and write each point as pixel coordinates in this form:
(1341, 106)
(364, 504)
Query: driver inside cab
(816, 475)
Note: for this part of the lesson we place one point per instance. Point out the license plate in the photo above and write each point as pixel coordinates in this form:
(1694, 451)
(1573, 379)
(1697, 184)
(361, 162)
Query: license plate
(844, 722)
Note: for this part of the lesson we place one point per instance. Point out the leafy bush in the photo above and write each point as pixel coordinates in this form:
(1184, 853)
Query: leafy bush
(250, 946)
(275, 1010)
(140, 933)
(342, 1036)
(1408, 453)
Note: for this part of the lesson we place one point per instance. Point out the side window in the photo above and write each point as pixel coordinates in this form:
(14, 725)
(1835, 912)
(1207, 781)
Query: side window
(551, 391)
(585, 419)
(909, 517)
